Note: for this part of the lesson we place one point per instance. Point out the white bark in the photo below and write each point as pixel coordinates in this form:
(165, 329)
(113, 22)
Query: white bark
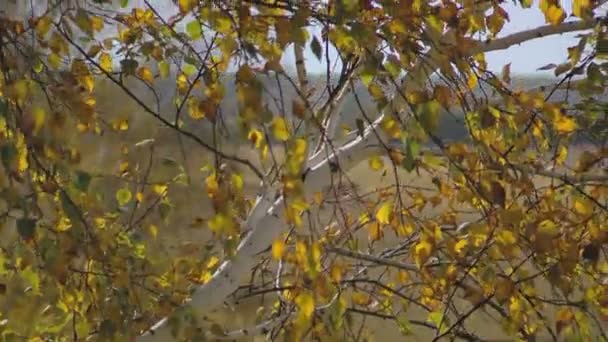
(265, 227)
(535, 33)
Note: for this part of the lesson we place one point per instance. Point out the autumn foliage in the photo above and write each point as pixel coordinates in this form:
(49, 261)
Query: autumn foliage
(329, 221)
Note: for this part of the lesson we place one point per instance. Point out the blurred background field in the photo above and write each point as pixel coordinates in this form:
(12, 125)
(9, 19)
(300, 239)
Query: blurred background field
(184, 231)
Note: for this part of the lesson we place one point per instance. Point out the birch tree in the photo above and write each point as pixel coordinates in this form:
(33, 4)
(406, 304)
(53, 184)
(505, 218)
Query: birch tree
(332, 200)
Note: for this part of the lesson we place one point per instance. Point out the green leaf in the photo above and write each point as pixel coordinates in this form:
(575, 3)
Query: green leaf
(83, 22)
(124, 3)
(129, 66)
(164, 208)
(163, 68)
(3, 107)
(82, 181)
(435, 318)
(428, 114)
(438, 320)
(7, 154)
(69, 208)
(107, 329)
(26, 228)
(31, 278)
(316, 47)
(405, 328)
(412, 150)
(194, 29)
(123, 196)
(189, 69)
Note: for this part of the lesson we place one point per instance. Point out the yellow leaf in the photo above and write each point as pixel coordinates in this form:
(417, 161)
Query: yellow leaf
(279, 129)
(255, 137)
(506, 238)
(583, 207)
(403, 277)
(472, 81)
(54, 60)
(212, 185)
(22, 163)
(580, 7)
(361, 298)
(213, 261)
(363, 218)
(278, 249)
(21, 90)
(123, 196)
(123, 167)
(383, 215)
(301, 252)
(89, 83)
(306, 304)
(145, 75)
(185, 5)
(404, 230)
(565, 124)
(503, 288)
(555, 15)
(39, 118)
(460, 246)
(182, 83)
(375, 232)
(548, 228)
(422, 252)
(318, 198)
(160, 189)
(299, 147)
(564, 318)
(495, 22)
(153, 229)
(64, 224)
(237, 182)
(120, 125)
(336, 272)
(376, 163)
(42, 26)
(105, 62)
(443, 95)
(220, 223)
(561, 155)
(194, 109)
(96, 23)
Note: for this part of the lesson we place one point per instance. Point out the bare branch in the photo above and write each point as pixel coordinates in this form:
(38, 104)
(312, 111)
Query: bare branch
(373, 259)
(263, 228)
(267, 222)
(535, 33)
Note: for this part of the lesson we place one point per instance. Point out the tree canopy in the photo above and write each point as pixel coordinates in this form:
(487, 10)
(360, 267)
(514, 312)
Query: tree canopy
(168, 164)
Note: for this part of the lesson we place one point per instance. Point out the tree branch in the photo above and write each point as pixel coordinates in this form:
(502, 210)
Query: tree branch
(373, 259)
(535, 33)
(266, 222)
(264, 227)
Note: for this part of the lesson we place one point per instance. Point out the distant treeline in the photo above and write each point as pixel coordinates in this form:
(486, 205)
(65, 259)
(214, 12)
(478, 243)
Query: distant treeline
(276, 89)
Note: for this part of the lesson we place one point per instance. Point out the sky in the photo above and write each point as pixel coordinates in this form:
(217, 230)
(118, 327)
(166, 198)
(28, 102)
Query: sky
(525, 58)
